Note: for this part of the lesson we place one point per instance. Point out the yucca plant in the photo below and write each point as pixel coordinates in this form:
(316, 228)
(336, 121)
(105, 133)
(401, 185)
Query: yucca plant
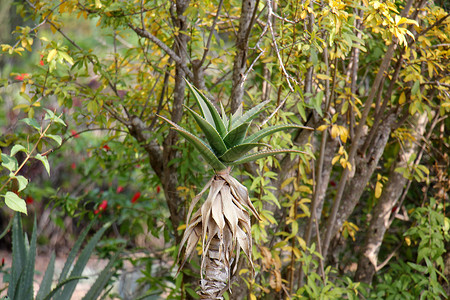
(23, 260)
(223, 221)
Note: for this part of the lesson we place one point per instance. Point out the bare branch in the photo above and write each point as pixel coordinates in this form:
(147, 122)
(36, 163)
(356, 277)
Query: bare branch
(145, 34)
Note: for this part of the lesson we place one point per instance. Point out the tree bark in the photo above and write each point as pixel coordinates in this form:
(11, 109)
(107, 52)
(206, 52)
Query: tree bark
(367, 265)
(216, 273)
(170, 176)
(240, 65)
(364, 168)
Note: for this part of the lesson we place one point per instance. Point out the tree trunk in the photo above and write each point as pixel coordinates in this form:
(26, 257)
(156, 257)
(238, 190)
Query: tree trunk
(240, 60)
(367, 265)
(364, 168)
(216, 273)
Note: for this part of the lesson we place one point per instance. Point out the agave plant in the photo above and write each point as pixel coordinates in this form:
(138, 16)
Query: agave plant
(223, 221)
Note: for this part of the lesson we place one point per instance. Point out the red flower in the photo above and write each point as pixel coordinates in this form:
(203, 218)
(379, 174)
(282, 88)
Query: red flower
(158, 189)
(135, 197)
(21, 76)
(29, 200)
(119, 189)
(41, 62)
(103, 205)
(106, 147)
(74, 134)
(3, 261)
(73, 166)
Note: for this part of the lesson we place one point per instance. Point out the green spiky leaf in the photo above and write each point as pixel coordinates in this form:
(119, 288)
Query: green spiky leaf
(46, 283)
(211, 134)
(270, 130)
(82, 260)
(236, 136)
(200, 145)
(208, 110)
(102, 280)
(19, 255)
(262, 154)
(249, 115)
(239, 151)
(225, 120)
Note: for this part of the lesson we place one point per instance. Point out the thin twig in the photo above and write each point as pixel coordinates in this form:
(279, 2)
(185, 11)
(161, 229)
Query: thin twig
(208, 43)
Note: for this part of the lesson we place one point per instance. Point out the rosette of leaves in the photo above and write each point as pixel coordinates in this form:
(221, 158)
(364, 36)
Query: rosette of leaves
(223, 221)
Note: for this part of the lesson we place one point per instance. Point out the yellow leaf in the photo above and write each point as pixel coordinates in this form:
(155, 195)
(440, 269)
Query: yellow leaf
(335, 159)
(408, 240)
(181, 227)
(334, 131)
(243, 271)
(51, 55)
(378, 189)
(286, 182)
(252, 296)
(323, 77)
(304, 188)
(343, 133)
(20, 106)
(402, 98)
(322, 127)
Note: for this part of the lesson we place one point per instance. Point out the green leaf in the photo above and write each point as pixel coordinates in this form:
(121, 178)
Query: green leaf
(301, 110)
(103, 279)
(9, 162)
(204, 150)
(66, 57)
(19, 254)
(415, 87)
(237, 135)
(46, 283)
(17, 148)
(262, 154)
(272, 129)
(25, 288)
(50, 115)
(61, 284)
(225, 120)
(81, 263)
(32, 122)
(44, 161)
(56, 138)
(15, 202)
(73, 253)
(317, 103)
(249, 115)
(208, 110)
(238, 151)
(201, 146)
(211, 134)
(22, 181)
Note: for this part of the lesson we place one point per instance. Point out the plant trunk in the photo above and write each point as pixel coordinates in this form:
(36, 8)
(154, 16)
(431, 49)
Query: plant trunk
(240, 60)
(364, 168)
(368, 262)
(216, 274)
